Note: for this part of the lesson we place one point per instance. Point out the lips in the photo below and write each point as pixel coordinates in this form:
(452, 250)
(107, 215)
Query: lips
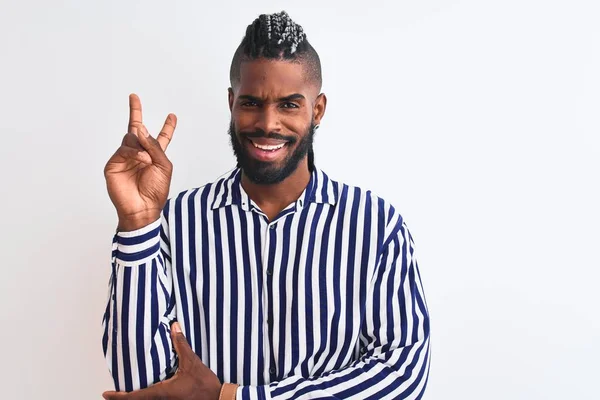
(264, 142)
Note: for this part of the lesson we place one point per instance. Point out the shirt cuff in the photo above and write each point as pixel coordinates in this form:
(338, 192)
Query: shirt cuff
(138, 246)
(253, 393)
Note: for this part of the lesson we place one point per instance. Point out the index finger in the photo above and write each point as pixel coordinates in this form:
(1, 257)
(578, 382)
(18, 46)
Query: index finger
(135, 112)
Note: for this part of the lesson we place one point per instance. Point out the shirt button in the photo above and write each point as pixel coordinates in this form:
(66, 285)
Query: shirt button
(272, 370)
(300, 202)
(269, 272)
(273, 226)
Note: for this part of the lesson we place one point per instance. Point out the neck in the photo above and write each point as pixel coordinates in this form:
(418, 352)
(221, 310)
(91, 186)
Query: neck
(272, 199)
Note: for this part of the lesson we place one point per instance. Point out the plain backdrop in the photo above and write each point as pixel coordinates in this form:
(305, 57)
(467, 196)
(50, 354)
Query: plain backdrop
(479, 120)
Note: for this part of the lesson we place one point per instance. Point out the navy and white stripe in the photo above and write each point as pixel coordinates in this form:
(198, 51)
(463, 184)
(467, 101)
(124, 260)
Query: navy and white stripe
(325, 301)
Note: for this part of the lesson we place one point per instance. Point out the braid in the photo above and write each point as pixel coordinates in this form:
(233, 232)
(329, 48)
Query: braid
(276, 36)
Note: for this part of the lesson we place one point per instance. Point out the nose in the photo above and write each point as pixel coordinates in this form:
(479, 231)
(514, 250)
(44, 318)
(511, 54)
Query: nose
(268, 121)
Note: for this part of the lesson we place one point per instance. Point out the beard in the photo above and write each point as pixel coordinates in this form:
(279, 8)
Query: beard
(269, 173)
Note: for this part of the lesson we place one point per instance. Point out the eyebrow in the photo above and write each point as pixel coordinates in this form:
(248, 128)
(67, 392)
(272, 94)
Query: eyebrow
(291, 97)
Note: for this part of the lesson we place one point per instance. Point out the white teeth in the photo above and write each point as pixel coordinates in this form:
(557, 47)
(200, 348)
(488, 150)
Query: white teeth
(267, 147)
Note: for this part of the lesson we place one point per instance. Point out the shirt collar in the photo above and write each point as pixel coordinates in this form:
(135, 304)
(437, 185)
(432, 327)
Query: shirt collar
(229, 191)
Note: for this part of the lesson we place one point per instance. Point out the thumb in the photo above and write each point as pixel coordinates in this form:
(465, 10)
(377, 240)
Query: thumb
(151, 146)
(182, 347)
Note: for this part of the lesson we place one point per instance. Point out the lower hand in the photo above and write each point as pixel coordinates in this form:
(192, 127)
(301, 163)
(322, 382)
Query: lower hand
(192, 381)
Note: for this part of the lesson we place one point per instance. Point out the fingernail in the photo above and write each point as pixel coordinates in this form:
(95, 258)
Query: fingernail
(176, 327)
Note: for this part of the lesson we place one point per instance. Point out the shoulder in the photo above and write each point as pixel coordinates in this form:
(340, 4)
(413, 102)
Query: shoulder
(352, 196)
(373, 212)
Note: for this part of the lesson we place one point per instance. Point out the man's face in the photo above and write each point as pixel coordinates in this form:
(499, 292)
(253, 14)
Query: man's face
(272, 119)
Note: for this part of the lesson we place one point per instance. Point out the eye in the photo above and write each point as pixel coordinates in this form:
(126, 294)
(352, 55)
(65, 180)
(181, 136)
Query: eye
(289, 105)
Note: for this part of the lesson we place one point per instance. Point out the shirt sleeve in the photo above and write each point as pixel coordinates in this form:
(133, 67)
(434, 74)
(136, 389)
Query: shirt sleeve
(394, 361)
(141, 306)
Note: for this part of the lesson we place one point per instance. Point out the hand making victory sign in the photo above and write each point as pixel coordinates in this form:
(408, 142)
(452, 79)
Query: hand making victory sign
(138, 175)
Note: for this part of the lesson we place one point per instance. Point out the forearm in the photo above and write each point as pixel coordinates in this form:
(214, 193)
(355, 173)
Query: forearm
(136, 341)
(400, 373)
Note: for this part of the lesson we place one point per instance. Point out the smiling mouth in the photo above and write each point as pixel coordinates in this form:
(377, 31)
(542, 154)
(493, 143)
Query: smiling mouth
(268, 147)
(266, 150)
(271, 148)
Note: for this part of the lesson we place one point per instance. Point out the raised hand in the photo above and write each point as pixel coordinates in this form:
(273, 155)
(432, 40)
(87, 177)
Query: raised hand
(138, 175)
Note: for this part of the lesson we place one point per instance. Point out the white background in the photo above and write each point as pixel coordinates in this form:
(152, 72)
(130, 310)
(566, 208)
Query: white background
(479, 120)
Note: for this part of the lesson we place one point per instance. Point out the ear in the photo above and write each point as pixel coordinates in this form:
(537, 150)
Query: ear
(230, 95)
(319, 108)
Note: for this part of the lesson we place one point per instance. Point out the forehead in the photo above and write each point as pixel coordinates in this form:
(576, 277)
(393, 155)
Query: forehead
(264, 77)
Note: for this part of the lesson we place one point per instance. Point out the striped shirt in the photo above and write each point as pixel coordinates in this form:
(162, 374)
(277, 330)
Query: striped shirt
(324, 301)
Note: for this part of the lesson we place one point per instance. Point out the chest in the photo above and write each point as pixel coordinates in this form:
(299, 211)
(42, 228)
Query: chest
(317, 251)
(289, 293)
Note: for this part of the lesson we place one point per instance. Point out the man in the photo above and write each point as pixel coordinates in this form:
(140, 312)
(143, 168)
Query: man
(281, 280)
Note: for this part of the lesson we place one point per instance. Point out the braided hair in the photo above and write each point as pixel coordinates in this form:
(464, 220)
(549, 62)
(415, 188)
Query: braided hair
(277, 37)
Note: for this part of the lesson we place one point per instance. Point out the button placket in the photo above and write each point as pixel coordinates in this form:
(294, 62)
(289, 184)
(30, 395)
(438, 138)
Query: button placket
(270, 254)
(266, 353)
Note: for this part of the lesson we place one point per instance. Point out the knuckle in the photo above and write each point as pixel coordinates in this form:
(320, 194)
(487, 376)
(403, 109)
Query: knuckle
(130, 139)
(164, 135)
(122, 151)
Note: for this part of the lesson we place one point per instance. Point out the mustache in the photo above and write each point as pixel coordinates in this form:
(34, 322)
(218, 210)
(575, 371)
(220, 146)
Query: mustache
(273, 135)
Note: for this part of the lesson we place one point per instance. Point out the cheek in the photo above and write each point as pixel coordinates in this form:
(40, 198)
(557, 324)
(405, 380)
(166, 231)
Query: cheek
(244, 121)
(297, 122)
